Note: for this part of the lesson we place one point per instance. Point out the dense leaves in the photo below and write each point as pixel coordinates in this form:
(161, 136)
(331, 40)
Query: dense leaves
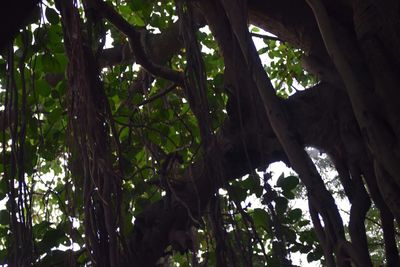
(54, 180)
(78, 176)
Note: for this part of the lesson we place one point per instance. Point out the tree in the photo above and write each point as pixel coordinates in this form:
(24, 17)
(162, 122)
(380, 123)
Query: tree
(123, 165)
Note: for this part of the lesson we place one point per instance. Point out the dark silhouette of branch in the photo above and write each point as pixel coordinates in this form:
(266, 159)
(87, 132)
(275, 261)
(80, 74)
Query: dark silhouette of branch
(158, 95)
(264, 36)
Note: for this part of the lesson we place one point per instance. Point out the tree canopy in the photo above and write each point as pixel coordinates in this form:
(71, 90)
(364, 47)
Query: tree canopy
(139, 133)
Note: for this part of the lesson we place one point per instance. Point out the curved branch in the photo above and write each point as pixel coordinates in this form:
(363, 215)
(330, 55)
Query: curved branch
(379, 136)
(135, 37)
(284, 131)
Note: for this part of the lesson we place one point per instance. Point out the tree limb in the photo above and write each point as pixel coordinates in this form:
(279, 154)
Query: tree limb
(298, 158)
(135, 36)
(264, 36)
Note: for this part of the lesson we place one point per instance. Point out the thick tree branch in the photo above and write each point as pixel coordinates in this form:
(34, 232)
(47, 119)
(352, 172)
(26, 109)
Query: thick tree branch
(13, 16)
(149, 238)
(298, 158)
(135, 37)
(378, 132)
(321, 116)
(159, 48)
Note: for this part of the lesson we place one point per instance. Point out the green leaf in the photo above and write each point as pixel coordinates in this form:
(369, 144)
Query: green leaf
(4, 217)
(287, 183)
(237, 192)
(138, 21)
(263, 50)
(312, 257)
(55, 258)
(252, 183)
(52, 15)
(308, 236)
(55, 115)
(54, 36)
(51, 64)
(51, 239)
(305, 249)
(260, 217)
(288, 194)
(219, 80)
(290, 234)
(137, 99)
(303, 223)
(137, 5)
(254, 29)
(3, 256)
(3, 186)
(294, 215)
(273, 261)
(43, 88)
(40, 229)
(124, 133)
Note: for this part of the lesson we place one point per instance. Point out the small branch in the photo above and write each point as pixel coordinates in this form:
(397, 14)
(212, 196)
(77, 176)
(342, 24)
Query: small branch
(158, 95)
(264, 36)
(108, 12)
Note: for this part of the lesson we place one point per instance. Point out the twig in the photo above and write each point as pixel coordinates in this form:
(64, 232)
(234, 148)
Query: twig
(264, 36)
(158, 95)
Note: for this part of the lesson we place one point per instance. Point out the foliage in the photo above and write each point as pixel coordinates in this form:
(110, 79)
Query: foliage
(43, 184)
